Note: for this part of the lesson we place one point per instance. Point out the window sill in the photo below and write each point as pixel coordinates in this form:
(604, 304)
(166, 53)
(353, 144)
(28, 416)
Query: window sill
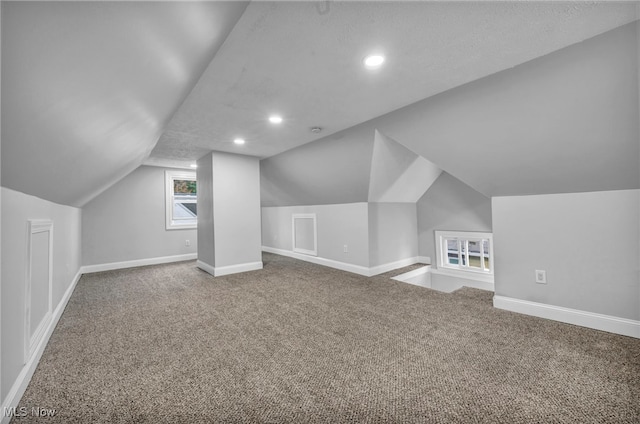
(182, 227)
(469, 275)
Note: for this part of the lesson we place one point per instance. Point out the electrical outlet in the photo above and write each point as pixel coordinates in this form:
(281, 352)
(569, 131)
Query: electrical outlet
(541, 276)
(345, 249)
(187, 243)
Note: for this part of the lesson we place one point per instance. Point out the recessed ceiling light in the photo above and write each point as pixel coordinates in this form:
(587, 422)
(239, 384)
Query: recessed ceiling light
(193, 165)
(275, 119)
(316, 130)
(373, 61)
(239, 141)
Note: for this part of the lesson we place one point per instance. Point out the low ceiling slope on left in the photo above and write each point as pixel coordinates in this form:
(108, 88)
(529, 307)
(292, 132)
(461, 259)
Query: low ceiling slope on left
(87, 88)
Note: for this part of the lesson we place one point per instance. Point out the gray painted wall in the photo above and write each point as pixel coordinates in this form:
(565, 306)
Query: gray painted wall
(127, 222)
(393, 232)
(337, 225)
(233, 209)
(236, 209)
(374, 233)
(586, 242)
(206, 245)
(449, 204)
(17, 208)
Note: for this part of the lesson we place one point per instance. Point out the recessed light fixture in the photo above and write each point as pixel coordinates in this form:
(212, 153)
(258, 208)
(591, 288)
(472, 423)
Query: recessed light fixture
(373, 61)
(316, 130)
(239, 141)
(193, 165)
(275, 119)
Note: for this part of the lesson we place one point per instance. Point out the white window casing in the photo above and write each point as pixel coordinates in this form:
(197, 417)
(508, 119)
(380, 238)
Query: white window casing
(177, 212)
(465, 254)
(304, 233)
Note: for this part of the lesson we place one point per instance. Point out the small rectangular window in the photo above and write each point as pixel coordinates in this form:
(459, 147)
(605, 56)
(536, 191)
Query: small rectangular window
(181, 199)
(465, 251)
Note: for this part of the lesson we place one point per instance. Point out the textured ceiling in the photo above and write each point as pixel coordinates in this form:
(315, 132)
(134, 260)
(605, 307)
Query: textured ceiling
(303, 60)
(565, 122)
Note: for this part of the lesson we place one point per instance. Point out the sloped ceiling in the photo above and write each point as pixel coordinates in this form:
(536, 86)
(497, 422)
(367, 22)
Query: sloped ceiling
(566, 122)
(88, 87)
(355, 165)
(304, 61)
(334, 170)
(398, 175)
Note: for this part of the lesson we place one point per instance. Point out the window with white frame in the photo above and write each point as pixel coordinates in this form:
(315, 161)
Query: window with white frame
(181, 200)
(465, 251)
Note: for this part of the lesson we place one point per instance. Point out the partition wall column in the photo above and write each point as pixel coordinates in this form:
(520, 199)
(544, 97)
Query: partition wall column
(229, 233)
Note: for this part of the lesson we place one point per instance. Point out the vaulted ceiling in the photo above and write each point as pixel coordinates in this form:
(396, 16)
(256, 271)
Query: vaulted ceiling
(92, 90)
(88, 87)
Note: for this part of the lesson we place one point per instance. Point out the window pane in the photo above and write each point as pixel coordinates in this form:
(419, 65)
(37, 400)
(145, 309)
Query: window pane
(485, 247)
(452, 251)
(184, 187)
(474, 254)
(184, 210)
(465, 251)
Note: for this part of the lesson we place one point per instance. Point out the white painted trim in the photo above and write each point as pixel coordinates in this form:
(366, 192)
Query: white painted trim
(31, 341)
(411, 274)
(381, 269)
(471, 276)
(86, 269)
(22, 381)
(408, 276)
(343, 266)
(611, 324)
(312, 216)
(424, 260)
(230, 269)
(234, 269)
(459, 281)
(441, 254)
(169, 176)
(206, 267)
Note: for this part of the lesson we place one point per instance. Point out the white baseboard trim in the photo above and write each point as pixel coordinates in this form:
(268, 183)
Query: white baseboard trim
(424, 260)
(230, 269)
(86, 269)
(611, 324)
(381, 269)
(22, 381)
(343, 266)
(206, 267)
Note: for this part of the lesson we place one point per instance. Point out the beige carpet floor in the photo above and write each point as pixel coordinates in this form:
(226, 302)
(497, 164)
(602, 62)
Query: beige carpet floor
(301, 343)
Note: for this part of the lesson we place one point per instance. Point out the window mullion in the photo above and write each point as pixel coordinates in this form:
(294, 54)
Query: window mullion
(466, 252)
